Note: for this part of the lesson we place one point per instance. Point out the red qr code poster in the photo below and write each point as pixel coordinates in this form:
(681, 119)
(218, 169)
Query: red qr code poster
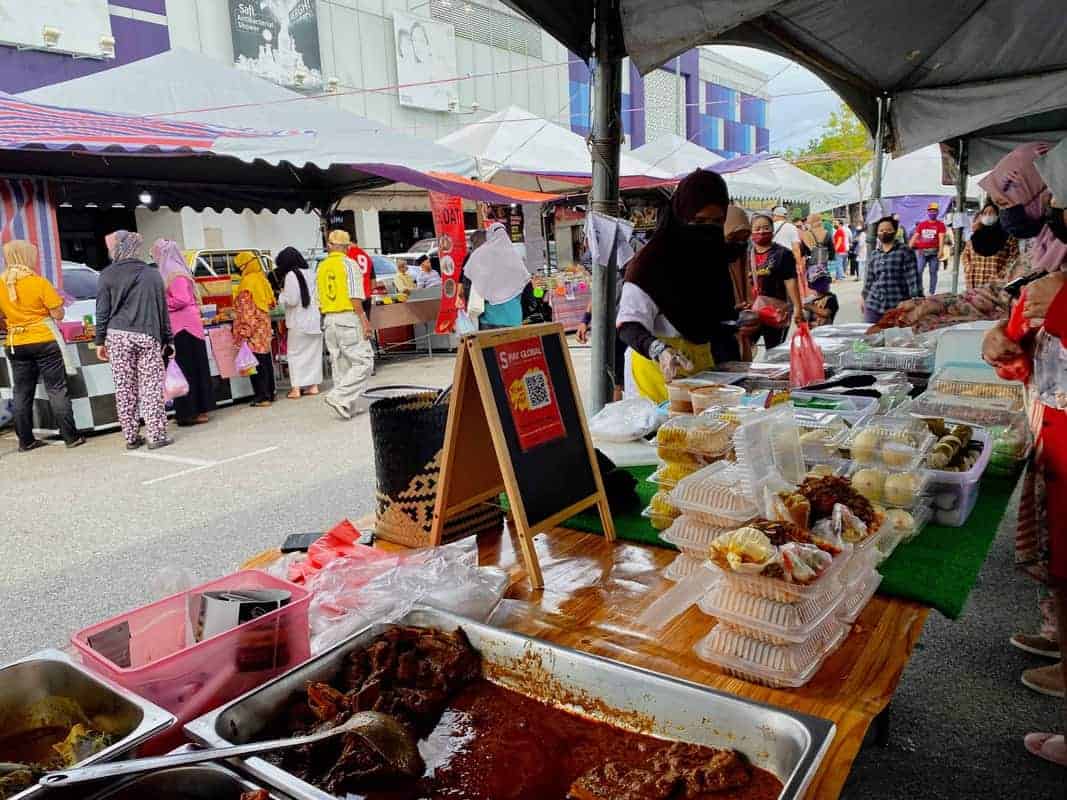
(526, 379)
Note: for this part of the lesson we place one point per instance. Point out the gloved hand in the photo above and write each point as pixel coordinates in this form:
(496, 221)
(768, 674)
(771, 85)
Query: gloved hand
(671, 362)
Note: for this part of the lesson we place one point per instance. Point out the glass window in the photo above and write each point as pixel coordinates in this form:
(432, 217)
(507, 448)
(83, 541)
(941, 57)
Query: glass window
(81, 283)
(201, 270)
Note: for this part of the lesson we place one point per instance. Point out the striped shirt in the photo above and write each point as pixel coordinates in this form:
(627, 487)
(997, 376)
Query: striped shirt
(981, 270)
(892, 277)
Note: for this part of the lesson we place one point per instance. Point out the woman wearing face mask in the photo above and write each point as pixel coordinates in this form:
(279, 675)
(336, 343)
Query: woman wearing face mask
(991, 253)
(677, 290)
(773, 271)
(892, 274)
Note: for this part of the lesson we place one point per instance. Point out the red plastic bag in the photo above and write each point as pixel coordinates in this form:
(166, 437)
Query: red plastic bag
(1017, 329)
(805, 358)
(341, 541)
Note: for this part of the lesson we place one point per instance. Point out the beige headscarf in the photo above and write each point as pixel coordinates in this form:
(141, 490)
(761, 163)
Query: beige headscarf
(20, 258)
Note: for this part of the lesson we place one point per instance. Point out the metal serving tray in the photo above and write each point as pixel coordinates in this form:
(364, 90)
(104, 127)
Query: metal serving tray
(51, 672)
(788, 744)
(195, 782)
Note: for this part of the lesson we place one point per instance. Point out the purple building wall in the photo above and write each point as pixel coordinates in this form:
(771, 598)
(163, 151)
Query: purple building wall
(23, 70)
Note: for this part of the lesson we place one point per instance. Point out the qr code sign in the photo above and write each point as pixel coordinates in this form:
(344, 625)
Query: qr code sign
(537, 392)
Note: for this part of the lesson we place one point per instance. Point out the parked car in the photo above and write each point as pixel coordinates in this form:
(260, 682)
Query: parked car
(80, 283)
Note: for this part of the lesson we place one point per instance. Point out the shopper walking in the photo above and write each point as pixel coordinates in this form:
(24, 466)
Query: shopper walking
(927, 240)
(817, 245)
(991, 253)
(190, 347)
(842, 242)
(255, 299)
(861, 251)
(31, 305)
(774, 277)
(786, 233)
(132, 328)
(892, 276)
(346, 329)
(499, 276)
(303, 323)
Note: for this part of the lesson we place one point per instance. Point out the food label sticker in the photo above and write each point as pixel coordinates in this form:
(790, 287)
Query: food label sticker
(534, 410)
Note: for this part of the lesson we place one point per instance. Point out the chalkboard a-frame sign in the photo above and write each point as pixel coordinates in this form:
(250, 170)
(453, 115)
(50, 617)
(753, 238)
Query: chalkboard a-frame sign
(516, 424)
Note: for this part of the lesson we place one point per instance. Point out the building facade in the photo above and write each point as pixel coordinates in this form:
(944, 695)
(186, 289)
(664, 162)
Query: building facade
(426, 67)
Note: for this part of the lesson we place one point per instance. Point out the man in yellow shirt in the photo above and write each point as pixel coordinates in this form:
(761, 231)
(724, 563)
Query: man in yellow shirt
(404, 280)
(345, 325)
(30, 305)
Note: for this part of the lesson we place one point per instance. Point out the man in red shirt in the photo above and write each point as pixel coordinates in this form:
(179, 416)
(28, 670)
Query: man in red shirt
(366, 269)
(927, 241)
(842, 240)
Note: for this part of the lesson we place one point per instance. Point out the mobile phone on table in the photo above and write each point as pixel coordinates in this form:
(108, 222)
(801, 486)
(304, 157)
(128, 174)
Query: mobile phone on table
(300, 542)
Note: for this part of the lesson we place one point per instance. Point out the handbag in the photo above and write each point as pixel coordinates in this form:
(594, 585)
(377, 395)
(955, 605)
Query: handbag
(175, 385)
(773, 313)
(245, 362)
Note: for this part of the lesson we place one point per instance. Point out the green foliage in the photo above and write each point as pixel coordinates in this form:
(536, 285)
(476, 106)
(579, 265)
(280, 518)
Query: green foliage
(840, 151)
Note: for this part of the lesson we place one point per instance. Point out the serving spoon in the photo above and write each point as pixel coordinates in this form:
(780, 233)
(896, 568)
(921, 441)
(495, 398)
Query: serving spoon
(382, 733)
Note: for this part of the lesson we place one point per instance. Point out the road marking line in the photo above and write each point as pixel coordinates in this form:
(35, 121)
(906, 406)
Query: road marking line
(194, 462)
(191, 470)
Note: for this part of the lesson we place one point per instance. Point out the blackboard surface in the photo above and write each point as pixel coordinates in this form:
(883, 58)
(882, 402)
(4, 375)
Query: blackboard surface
(556, 475)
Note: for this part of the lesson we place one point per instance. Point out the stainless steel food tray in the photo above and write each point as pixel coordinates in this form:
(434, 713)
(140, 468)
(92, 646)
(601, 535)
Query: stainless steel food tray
(51, 672)
(195, 782)
(788, 744)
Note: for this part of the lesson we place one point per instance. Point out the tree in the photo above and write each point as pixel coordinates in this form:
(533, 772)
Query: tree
(842, 149)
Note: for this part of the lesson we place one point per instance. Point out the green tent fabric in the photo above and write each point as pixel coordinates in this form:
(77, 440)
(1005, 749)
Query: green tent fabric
(938, 568)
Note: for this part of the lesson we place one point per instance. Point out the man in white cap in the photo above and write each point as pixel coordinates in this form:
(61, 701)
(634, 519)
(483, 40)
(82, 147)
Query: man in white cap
(786, 233)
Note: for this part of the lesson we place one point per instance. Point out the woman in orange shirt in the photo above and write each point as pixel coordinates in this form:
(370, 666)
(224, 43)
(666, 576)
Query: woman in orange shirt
(30, 305)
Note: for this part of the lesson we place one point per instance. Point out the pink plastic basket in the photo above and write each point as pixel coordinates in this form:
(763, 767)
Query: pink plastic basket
(190, 680)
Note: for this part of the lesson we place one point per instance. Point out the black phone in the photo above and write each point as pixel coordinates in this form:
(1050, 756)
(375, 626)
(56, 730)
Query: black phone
(300, 542)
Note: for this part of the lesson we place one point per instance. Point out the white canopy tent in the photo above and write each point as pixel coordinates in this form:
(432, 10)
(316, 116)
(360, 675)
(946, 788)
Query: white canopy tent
(675, 154)
(517, 148)
(775, 178)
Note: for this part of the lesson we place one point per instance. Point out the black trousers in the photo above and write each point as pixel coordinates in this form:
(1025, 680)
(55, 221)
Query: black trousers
(30, 362)
(263, 380)
(191, 355)
(772, 337)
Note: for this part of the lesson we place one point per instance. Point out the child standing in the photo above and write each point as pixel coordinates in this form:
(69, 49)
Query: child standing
(822, 308)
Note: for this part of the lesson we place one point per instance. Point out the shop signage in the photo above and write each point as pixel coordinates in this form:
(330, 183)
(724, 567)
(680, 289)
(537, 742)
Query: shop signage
(534, 409)
(447, 213)
(277, 40)
(425, 62)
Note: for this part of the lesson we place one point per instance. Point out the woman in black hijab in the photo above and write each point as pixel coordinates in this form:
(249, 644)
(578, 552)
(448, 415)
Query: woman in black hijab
(991, 252)
(303, 323)
(678, 290)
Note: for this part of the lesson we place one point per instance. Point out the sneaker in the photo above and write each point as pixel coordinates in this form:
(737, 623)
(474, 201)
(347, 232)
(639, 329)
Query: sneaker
(1036, 645)
(34, 445)
(76, 443)
(136, 444)
(1045, 680)
(166, 441)
(338, 409)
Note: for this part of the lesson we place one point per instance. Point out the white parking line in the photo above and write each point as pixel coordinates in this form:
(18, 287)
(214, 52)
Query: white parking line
(193, 462)
(191, 470)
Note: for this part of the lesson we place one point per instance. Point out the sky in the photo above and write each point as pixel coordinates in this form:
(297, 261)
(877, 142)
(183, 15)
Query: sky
(796, 119)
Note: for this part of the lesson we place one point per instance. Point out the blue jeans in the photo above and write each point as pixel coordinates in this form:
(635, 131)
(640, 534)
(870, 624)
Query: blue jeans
(928, 259)
(837, 267)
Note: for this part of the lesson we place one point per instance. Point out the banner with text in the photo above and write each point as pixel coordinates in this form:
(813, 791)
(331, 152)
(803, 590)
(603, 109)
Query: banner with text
(452, 251)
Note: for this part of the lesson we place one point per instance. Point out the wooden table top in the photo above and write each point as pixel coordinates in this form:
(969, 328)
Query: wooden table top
(595, 590)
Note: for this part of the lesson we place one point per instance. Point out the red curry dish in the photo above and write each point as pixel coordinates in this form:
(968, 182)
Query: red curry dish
(481, 741)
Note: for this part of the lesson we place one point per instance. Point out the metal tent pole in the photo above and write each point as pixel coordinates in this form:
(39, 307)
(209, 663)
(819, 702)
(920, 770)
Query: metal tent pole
(876, 178)
(606, 140)
(961, 207)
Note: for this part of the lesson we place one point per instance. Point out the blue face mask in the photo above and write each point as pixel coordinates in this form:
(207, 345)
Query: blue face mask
(1018, 223)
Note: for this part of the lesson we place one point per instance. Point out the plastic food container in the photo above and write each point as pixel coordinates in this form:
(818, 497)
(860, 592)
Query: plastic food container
(683, 566)
(822, 434)
(691, 535)
(704, 397)
(714, 496)
(769, 443)
(785, 592)
(858, 595)
(898, 444)
(668, 475)
(907, 359)
(782, 666)
(955, 493)
(700, 436)
(853, 410)
(977, 384)
(971, 410)
(904, 490)
(189, 680)
(766, 620)
(657, 519)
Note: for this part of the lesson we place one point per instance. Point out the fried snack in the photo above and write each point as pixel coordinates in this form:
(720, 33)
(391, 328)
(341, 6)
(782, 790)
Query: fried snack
(825, 493)
(710, 436)
(745, 549)
(661, 504)
(674, 454)
(674, 471)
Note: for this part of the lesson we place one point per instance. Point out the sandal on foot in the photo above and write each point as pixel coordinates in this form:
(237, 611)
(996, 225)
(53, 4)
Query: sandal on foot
(1049, 746)
(294, 395)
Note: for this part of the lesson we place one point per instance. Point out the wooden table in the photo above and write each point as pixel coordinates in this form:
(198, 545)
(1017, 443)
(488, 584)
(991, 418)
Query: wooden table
(595, 590)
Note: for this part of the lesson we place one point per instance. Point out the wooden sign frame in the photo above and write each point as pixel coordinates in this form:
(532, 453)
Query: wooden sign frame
(477, 465)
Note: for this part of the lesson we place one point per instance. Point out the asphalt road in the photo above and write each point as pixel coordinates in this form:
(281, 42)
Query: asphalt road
(91, 532)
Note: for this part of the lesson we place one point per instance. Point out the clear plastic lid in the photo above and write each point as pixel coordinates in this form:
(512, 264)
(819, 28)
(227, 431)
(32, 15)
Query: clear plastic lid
(859, 594)
(908, 359)
(691, 534)
(769, 443)
(705, 397)
(822, 434)
(977, 383)
(895, 490)
(972, 410)
(897, 443)
(682, 567)
(783, 591)
(716, 490)
(777, 355)
(766, 620)
(699, 435)
(789, 666)
(853, 410)
(668, 474)
(899, 525)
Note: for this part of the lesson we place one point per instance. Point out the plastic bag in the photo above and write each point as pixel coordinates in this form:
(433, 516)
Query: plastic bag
(805, 359)
(464, 324)
(246, 362)
(175, 384)
(626, 420)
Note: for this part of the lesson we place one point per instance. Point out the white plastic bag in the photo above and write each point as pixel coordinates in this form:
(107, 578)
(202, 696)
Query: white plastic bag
(625, 420)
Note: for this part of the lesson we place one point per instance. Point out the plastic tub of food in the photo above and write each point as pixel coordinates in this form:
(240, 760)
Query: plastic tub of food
(714, 495)
(858, 595)
(683, 566)
(766, 620)
(976, 383)
(781, 666)
(769, 443)
(822, 434)
(891, 489)
(190, 679)
(955, 493)
(702, 436)
(704, 397)
(853, 410)
(906, 359)
(783, 591)
(691, 535)
(898, 444)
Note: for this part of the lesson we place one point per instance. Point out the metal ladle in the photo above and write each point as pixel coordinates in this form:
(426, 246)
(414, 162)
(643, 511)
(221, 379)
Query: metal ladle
(382, 733)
